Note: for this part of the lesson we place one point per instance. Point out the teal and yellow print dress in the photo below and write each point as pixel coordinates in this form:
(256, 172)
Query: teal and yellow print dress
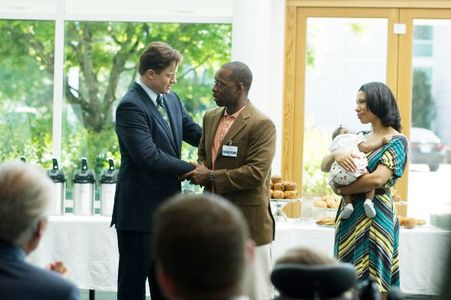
(372, 244)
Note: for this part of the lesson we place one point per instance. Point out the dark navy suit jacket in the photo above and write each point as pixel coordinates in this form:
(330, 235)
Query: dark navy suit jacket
(150, 158)
(20, 280)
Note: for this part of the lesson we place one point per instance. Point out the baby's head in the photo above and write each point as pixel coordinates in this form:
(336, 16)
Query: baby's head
(341, 130)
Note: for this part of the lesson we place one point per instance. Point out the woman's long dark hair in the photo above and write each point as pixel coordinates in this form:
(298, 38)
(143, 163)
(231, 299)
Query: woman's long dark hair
(382, 103)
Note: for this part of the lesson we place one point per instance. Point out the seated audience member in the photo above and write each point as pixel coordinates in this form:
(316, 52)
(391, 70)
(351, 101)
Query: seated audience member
(306, 256)
(303, 273)
(202, 247)
(25, 192)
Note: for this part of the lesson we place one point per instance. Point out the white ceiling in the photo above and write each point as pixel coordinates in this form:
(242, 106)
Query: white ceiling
(195, 10)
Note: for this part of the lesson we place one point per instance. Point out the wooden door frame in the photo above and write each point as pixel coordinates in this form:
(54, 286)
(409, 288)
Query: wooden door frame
(294, 87)
(397, 65)
(370, 3)
(405, 61)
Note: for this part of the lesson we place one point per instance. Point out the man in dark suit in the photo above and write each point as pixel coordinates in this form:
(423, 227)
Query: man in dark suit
(25, 193)
(235, 152)
(150, 125)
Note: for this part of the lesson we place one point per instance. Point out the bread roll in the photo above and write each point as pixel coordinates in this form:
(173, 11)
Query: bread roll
(290, 185)
(320, 203)
(276, 179)
(408, 222)
(326, 221)
(331, 202)
(276, 194)
(421, 221)
(290, 194)
(278, 186)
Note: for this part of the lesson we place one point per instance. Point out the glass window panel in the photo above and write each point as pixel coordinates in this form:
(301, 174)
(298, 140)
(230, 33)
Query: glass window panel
(26, 90)
(342, 54)
(422, 49)
(430, 136)
(101, 63)
(422, 32)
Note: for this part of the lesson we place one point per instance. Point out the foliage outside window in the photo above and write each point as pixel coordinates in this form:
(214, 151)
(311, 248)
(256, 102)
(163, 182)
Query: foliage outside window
(315, 182)
(423, 108)
(26, 90)
(100, 65)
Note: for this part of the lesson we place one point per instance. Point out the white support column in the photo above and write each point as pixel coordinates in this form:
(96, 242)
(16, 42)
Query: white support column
(58, 84)
(258, 41)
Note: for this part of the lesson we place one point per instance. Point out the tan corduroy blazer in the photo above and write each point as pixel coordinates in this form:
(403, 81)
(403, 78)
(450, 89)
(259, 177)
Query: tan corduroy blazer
(245, 179)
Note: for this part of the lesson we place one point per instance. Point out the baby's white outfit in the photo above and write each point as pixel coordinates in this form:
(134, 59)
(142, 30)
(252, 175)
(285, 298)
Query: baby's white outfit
(338, 175)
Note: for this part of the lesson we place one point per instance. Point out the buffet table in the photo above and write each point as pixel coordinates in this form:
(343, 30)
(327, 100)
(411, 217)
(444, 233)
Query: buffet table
(422, 252)
(88, 247)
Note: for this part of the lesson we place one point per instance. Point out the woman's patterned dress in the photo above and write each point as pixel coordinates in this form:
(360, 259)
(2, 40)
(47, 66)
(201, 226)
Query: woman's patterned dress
(372, 244)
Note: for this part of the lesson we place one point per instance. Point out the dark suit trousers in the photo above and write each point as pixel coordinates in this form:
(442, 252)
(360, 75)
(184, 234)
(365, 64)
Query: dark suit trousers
(135, 266)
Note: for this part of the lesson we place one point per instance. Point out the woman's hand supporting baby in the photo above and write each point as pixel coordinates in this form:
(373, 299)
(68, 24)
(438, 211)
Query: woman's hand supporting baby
(346, 159)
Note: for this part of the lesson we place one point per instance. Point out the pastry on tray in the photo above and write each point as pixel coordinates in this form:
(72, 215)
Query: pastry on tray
(407, 222)
(277, 194)
(290, 194)
(276, 179)
(326, 222)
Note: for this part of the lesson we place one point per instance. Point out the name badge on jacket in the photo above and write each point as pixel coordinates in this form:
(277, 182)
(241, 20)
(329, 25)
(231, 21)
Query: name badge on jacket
(229, 151)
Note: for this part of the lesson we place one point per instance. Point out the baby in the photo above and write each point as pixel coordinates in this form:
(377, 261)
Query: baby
(343, 138)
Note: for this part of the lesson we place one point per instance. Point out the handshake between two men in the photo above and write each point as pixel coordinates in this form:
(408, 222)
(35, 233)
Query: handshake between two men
(201, 175)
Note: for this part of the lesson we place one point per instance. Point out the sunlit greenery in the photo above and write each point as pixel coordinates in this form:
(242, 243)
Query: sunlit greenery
(423, 110)
(314, 181)
(99, 66)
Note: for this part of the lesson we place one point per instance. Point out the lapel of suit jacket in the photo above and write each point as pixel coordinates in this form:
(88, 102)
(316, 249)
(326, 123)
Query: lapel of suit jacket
(236, 127)
(156, 114)
(210, 132)
(171, 108)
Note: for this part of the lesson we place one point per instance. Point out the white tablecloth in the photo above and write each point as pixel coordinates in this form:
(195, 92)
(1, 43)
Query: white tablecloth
(422, 252)
(88, 246)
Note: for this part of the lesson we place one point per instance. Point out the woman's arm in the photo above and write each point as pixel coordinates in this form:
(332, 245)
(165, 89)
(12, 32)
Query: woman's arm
(343, 157)
(327, 162)
(368, 146)
(368, 182)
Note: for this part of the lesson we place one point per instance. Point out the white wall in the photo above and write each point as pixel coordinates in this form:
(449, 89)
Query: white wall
(258, 41)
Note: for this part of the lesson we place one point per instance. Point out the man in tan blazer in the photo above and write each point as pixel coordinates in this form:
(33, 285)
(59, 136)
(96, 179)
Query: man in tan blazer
(235, 156)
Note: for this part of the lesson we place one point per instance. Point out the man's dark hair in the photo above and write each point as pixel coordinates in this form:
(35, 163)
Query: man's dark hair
(200, 243)
(381, 102)
(158, 56)
(240, 73)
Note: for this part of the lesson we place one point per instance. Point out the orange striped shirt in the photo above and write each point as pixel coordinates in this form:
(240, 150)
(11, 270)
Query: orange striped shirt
(223, 127)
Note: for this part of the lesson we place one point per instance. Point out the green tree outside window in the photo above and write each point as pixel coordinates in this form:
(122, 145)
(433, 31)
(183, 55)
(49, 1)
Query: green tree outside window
(100, 64)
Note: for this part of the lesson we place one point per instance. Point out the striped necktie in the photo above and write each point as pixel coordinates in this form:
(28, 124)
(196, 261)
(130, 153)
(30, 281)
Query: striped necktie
(164, 114)
(162, 110)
